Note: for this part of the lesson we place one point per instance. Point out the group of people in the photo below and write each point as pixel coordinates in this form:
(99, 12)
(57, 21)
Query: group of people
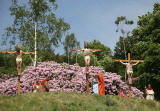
(40, 86)
(149, 93)
(98, 86)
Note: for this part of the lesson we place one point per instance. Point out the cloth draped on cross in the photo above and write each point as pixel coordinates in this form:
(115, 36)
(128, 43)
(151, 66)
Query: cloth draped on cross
(101, 85)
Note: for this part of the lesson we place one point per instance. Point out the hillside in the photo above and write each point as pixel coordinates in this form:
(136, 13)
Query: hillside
(71, 101)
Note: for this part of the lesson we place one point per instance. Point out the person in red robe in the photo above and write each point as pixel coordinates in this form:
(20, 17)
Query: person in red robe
(101, 85)
(40, 87)
(44, 85)
(120, 93)
(149, 93)
(35, 86)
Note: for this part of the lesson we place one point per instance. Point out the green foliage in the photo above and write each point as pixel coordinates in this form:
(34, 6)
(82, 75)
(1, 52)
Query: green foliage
(49, 30)
(148, 34)
(144, 44)
(106, 63)
(109, 101)
(122, 20)
(8, 64)
(102, 59)
(69, 43)
(95, 44)
(58, 101)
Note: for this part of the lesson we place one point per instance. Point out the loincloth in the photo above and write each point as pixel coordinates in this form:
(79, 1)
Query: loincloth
(19, 59)
(129, 72)
(87, 58)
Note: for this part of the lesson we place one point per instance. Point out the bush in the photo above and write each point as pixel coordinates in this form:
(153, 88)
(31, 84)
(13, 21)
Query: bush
(64, 77)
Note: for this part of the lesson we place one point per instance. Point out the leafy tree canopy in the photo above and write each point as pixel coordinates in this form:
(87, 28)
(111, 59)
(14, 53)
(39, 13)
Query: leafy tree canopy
(50, 29)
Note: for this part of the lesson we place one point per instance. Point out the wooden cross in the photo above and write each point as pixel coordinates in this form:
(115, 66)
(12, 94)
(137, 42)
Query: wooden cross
(19, 53)
(87, 61)
(127, 61)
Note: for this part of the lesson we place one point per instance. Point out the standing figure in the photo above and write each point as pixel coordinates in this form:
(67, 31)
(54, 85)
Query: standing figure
(149, 93)
(99, 85)
(95, 85)
(129, 66)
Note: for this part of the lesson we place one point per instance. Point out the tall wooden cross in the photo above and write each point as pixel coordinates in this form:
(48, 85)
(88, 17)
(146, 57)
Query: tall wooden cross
(19, 53)
(127, 61)
(87, 61)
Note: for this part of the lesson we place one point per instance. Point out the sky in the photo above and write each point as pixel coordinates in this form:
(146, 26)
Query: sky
(90, 19)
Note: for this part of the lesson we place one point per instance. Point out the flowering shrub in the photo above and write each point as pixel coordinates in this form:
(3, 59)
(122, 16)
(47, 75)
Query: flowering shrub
(4, 77)
(64, 77)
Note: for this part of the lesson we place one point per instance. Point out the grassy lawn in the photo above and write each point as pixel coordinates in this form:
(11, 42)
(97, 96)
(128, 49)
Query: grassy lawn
(71, 101)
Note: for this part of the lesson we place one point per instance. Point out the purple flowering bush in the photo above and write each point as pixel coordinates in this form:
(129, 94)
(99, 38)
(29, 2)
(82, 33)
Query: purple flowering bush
(4, 77)
(64, 77)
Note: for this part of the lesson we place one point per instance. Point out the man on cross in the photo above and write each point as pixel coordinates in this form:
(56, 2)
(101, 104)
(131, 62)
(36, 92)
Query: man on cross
(86, 52)
(19, 53)
(129, 68)
(129, 64)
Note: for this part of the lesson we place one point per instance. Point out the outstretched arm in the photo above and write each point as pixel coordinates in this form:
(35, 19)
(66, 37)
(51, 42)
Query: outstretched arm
(8, 52)
(123, 63)
(135, 63)
(28, 53)
(95, 50)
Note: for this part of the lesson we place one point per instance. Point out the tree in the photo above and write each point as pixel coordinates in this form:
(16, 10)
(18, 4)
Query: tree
(106, 63)
(102, 58)
(47, 28)
(95, 44)
(70, 42)
(121, 20)
(148, 35)
(146, 45)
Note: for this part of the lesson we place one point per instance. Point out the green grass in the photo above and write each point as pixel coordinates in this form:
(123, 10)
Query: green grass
(62, 101)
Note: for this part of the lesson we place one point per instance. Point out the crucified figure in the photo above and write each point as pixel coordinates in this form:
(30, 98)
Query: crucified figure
(19, 53)
(129, 66)
(86, 52)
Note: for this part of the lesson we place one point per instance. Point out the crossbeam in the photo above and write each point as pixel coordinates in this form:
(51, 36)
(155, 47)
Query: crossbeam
(129, 59)
(133, 61)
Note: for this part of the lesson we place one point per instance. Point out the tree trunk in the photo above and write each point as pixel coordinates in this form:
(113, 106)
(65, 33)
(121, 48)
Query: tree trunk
(35, 48)
(68, 57)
